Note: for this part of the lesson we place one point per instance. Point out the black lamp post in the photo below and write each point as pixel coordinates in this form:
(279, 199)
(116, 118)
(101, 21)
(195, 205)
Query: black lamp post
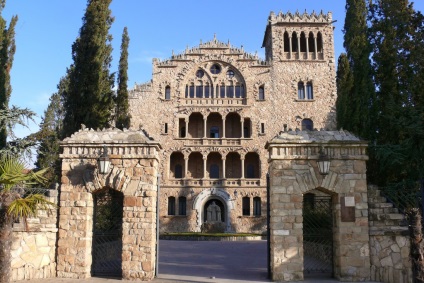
(103, 162)
(323, 162)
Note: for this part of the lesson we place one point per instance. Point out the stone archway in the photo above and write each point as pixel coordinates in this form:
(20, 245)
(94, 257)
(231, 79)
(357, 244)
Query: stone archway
(209, 194)
(133, 175)
(294, 172)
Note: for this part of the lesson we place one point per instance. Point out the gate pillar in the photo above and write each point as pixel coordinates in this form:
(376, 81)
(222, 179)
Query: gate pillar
(293, 172)
(134, 169)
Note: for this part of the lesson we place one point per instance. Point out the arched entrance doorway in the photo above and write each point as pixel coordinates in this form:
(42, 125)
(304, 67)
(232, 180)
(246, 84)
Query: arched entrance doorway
(107, 233)
(317, 234)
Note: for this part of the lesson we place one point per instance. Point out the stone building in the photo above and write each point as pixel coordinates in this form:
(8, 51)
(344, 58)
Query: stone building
(213, 108)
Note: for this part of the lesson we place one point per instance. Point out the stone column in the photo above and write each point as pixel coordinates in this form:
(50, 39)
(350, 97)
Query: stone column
(242, 128)
(185, 166)
(307, 47)
(316, 47)
(298, 46)
(290, 46)
(205, 173)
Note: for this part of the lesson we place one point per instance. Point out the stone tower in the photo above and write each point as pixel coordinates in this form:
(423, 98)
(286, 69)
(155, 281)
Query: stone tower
(213, 108)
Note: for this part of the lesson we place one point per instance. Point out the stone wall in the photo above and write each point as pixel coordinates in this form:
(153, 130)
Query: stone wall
(34, 245)
(389, 241)
(294, 172)
(133, 172)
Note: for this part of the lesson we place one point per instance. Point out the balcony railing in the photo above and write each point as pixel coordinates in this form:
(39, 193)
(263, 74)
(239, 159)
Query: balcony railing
(214, 182)
(214, 101)
(221, 141)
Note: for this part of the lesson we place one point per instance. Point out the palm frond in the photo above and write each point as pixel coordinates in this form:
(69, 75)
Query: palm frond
(28, 206)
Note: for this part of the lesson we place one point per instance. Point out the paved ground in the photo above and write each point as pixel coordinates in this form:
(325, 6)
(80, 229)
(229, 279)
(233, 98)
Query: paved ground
(202, 262)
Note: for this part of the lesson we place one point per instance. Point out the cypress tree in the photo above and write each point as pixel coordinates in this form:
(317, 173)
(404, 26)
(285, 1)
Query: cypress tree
(397, 40)
(7, 52)
(361, 98)
(122, 115)
(90, 98)
(344, 81)
(50, 132)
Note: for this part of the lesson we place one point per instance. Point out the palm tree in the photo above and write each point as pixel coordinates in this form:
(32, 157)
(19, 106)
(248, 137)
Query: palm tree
(16, 202)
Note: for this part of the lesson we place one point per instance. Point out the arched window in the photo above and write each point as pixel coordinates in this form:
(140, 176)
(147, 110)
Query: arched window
(319, 43)
(257, 206)
(311, 42)
(286, 42)
(261, 94)
(167, 92)
(178, 171)
(171, 205)
(301, 90)
(295, 46)
(214, 171)
(246, 206)
(302, 42)
(309, 91)
(307, 125)
(182, 206)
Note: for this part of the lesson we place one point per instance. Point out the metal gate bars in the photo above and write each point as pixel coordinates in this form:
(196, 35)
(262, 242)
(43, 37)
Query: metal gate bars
(317, 235)
(107, 234)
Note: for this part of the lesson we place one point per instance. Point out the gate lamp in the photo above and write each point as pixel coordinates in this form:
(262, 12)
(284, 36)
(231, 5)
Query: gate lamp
(323, 162)
(103, 162)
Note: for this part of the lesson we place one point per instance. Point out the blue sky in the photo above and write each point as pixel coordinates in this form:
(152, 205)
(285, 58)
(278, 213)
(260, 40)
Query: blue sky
(47, 28)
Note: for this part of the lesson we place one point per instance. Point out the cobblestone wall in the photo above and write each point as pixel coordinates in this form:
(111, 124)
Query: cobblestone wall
(293, 172)
(34, 245)
(389, 241)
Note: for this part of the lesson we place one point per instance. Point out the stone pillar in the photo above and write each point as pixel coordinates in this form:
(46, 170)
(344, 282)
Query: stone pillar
(185, 166)
(298, 46)
(242, 128)
(293, 172)
(134, 174)
(307, 47)
(205, 173)
(316, 47)
(290, 46)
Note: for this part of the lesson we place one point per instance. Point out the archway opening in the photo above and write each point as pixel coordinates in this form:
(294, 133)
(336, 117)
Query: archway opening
(107, 233)
(317, 234)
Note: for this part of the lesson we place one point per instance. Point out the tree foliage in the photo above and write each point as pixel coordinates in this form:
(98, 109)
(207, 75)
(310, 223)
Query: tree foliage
(90, 98)
(7, 52)
(49, 134)
(122, 107)
(385, 103)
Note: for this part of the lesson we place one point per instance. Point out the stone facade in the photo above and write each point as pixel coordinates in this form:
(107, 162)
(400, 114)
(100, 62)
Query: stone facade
(293, 173)
(214, 107)
(34, 245)
(133, 173)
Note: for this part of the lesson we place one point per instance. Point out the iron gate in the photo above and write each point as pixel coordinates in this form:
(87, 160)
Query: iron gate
(107, 233)
(317, 235)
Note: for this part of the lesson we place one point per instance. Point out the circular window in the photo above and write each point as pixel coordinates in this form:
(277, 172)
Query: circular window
(200, 74)
(230, 74)
(215, 69)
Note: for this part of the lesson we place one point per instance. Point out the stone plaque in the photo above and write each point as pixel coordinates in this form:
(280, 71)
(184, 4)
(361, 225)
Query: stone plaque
(347, 209)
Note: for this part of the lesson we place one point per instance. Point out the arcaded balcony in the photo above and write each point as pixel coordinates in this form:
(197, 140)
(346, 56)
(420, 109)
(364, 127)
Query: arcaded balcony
(214, 129)
(232, 169)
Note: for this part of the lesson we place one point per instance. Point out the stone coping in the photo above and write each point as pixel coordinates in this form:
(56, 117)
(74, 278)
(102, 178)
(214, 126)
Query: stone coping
(301, 137)
(213, 238)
